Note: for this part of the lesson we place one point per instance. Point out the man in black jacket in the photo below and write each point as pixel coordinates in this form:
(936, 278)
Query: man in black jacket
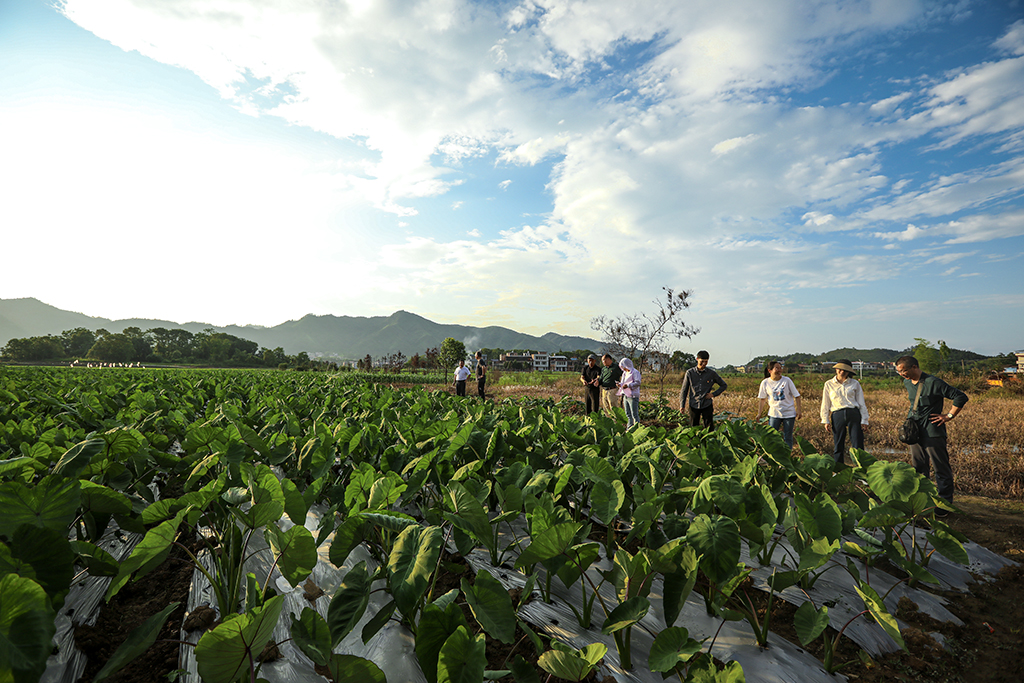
(931, 449)
(696, 392)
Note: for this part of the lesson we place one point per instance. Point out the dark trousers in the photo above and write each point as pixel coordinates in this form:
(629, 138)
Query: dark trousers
(592, 397)
(480, 382)
(702, 415)
(460, 387)
(931, 450)
(843, 420)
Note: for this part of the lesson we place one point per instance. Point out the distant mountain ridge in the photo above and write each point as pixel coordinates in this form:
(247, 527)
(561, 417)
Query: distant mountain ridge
(345, 337)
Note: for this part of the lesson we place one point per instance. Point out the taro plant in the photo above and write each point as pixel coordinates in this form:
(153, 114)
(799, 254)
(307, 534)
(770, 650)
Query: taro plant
(811, 621)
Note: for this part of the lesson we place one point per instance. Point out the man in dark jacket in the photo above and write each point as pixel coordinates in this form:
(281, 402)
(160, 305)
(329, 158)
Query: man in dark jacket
(931, 449)
(696, 392)
(591, 378)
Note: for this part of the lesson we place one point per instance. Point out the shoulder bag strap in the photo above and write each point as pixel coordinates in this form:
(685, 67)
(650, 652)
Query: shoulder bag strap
(920, 386)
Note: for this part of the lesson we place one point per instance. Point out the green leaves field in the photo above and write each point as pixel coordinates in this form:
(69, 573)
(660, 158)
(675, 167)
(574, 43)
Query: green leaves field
(228, 464)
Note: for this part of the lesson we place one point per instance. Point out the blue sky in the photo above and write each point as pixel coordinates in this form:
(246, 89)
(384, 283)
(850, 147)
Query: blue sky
(820, 174)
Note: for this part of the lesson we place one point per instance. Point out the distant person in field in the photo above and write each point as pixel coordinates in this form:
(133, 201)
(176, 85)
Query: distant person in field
(843, 409)
(462, 373)
(629, 390)
(591, 378)
(931, 449)
(697, 395)
(481, 374)
(782, 399)
(611, 373)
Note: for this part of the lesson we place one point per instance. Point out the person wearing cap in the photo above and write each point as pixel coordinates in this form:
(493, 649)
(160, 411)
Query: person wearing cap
(610, 376)
(591, 378)
(843, 409)
(696, 392)
(931, 449)
(782, 398)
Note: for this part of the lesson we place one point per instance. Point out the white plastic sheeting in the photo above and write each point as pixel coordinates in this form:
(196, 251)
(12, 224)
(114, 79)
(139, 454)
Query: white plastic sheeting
(391, 649)
(82, 608)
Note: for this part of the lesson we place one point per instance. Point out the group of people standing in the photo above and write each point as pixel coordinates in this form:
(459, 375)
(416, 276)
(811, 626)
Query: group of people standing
(612, 385)
(844, 413)
(462, 373)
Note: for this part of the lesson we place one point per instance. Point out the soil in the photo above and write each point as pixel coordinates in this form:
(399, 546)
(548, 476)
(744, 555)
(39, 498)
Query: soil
(135, 603)
(988, 648)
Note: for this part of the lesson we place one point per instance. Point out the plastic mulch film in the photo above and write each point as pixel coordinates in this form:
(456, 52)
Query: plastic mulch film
(391, 649)
(781, 662)
(82, 608)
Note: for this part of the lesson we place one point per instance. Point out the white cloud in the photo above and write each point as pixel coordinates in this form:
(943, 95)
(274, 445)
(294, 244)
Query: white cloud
(912, 232)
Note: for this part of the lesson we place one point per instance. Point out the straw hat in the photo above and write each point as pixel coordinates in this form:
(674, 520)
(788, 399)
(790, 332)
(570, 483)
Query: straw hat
(843, 366)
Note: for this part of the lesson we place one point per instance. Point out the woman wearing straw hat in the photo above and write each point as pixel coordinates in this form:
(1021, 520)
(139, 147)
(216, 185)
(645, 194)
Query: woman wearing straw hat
(843, 409)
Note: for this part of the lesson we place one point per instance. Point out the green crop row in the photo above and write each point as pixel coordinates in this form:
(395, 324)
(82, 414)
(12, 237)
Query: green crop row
(406, 474)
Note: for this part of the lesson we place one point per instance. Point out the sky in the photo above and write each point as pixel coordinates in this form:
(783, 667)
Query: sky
(843, 173)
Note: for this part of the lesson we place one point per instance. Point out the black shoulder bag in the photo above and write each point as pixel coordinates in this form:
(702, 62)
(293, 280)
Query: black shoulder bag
(910, 431)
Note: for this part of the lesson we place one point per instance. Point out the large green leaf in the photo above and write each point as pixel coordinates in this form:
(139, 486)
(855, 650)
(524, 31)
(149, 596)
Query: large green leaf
(78, 456)
(606, 498)
(463, 658)
(50, 504)
(879, 613)
(467, 514)
(948, 546)
(295, 550)
(809, 622)
(26, 629)
(267, 501)
(104, 500)
(150, 552)
(352, 669)
(412, 561)
(626, 614)
(436, 625)
(671, 647)
(311, 633)
(717, 540)
(491, 606)
(96, 560)
(138, 641)
(50, 555)
(892, 480)
(564, 662)
(349, 603)
(549, 543)
(231, 648)
(721, 491)
(295, 505)
(347, 536)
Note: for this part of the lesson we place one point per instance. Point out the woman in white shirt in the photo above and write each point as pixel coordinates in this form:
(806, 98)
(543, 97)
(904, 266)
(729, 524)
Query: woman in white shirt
(783, 400)
(843, 409)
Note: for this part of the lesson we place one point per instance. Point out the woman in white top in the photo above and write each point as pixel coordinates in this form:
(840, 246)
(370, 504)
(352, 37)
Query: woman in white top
(782, 398)
(629, 390)
(843, 409)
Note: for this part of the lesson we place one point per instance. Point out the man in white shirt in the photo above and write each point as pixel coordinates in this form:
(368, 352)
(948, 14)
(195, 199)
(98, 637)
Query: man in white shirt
(462, 373)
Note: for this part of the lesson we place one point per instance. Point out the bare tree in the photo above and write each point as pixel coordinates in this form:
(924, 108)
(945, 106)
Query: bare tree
(647, 337)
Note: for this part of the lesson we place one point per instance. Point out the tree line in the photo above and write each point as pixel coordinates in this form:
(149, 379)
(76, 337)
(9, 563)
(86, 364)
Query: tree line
(156, 345)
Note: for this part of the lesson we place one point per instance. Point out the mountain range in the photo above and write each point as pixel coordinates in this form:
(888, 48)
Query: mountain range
(345, 337)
